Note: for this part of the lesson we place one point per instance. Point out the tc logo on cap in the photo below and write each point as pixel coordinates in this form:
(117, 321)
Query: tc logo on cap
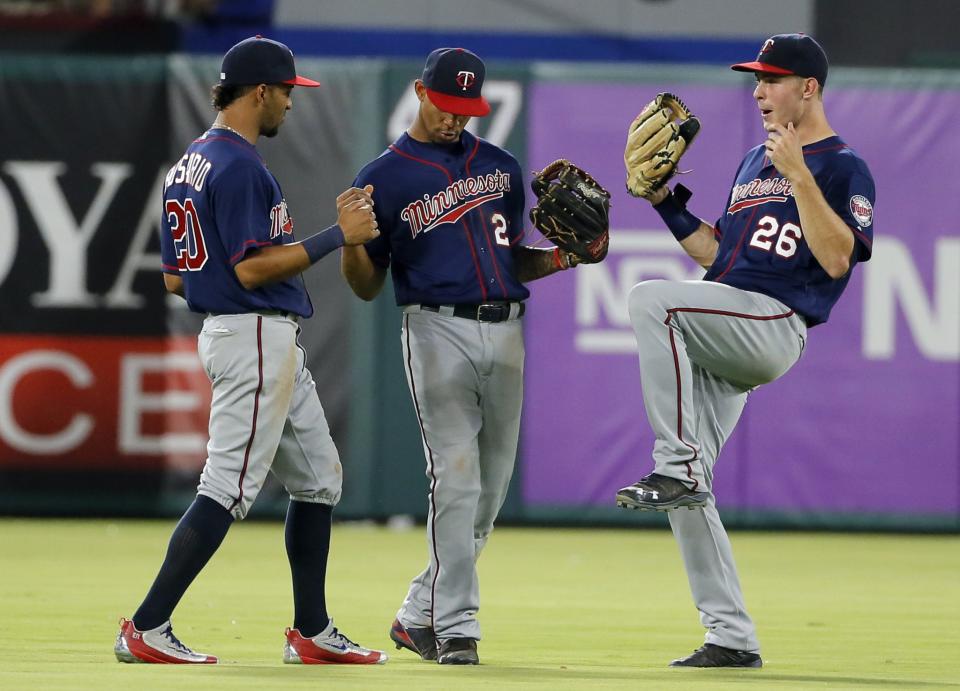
(453, 78)
(465, 79)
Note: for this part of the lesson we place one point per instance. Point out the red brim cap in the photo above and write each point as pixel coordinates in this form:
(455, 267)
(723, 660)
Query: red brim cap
(759, 67)
(459, 106)
(302, 81)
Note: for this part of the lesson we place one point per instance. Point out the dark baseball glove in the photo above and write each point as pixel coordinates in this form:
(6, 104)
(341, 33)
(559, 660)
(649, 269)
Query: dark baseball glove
(572, 211)
(656, 140)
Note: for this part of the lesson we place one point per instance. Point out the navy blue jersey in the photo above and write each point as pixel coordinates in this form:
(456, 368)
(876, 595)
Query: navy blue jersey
(762, 246)
(219, 203)
(449, 217)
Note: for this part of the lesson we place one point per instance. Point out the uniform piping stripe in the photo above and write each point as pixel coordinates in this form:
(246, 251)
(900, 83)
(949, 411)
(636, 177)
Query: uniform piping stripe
(243, 249)
(430, 470)
(703, 310)
(863, 238)
(826, 148)
(256, 409)
(466, 229)
(676, 364)
(676, 367)
(486, 231)
(245, 145)
(736, 250)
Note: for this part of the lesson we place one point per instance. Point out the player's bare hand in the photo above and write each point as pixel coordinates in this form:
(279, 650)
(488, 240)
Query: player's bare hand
(783, 148)
(357, 220)
(354, 193)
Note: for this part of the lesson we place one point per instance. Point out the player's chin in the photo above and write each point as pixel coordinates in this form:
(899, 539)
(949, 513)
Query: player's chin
(270, 131)
(446, 136)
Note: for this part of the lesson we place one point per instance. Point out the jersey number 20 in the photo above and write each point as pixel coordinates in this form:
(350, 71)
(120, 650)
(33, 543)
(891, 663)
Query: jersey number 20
(187, 235)
(786, 246)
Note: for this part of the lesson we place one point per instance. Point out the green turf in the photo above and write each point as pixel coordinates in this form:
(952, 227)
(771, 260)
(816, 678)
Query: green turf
(572, 609)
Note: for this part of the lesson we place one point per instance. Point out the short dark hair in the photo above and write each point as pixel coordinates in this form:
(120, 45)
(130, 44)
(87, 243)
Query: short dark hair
(222, 96)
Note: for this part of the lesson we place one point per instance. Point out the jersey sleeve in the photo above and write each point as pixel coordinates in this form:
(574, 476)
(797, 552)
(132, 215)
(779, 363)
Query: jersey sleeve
(851, 195)
(242, 202)
(378, 249)
(168, 253)
(515, 204)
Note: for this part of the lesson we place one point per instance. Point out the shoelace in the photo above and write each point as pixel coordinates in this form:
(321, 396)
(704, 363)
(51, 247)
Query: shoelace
(168, 633)
(337, 635)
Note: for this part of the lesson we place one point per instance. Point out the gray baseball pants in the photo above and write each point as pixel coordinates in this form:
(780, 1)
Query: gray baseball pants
(265, 414)
(466, 381)
(703, 347)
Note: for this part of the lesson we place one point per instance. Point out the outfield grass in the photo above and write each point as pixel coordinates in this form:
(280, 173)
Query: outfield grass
(570, 609)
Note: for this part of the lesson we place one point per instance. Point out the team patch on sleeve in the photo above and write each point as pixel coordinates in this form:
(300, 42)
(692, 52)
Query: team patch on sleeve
(862, 210)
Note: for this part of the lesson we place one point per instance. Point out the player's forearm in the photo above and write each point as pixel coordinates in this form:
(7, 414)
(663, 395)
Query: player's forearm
(532, 263)
(694, 235)
(363, 276)
(701, 245)
(829, 238)
(271, 265)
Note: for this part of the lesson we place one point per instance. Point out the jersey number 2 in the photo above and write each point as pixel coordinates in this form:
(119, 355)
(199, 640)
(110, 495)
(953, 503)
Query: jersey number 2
(786, 246)
(186, 230)
(500, 229)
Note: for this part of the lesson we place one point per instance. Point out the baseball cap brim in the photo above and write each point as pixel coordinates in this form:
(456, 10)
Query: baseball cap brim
(302, 81)
(759, 67)
(475, 107)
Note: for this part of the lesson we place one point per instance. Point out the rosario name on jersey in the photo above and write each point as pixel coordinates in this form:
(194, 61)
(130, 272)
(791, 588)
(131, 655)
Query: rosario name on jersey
(449, 217)
(220, 202)
(762, 244)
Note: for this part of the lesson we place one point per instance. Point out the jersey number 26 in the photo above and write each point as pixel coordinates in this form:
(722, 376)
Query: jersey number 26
(187, 235)
(786, 245)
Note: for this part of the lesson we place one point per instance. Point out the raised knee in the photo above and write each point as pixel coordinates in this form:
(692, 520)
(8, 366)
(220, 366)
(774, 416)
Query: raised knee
(646, 299)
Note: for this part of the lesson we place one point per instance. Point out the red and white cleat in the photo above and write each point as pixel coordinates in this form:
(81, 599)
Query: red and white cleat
(329, 647)
(156, 646)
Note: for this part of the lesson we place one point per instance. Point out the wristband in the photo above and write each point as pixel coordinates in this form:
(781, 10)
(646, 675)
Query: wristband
(681, 222)
(558, 259)
(323, 243)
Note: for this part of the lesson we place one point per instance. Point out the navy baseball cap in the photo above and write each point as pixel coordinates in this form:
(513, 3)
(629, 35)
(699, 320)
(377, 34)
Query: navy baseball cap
(792, 54)
(454, 77)
(258, 60)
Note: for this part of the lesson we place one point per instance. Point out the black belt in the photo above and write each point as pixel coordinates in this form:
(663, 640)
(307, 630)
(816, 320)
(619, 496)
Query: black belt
(263, 313)
(487, 312)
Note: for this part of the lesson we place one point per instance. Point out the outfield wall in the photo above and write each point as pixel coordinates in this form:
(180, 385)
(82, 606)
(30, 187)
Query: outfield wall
(103, 402)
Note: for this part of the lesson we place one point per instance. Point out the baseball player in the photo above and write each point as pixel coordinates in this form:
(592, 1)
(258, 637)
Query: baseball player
(798, 219)
(228, 248)
(450, 208)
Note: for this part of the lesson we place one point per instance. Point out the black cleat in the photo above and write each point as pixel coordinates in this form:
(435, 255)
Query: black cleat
(458, 651)
(711, 655)
(418, 640)
(659, 493)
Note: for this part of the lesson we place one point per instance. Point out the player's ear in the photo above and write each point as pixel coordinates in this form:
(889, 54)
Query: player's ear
(420, 89)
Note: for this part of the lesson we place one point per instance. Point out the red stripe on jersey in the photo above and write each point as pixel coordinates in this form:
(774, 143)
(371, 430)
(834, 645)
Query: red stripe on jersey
(486, 231)
(736, 250)
(243, 250)
(466, 230)
(863, 238)
(747, 203)
(826, 148)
